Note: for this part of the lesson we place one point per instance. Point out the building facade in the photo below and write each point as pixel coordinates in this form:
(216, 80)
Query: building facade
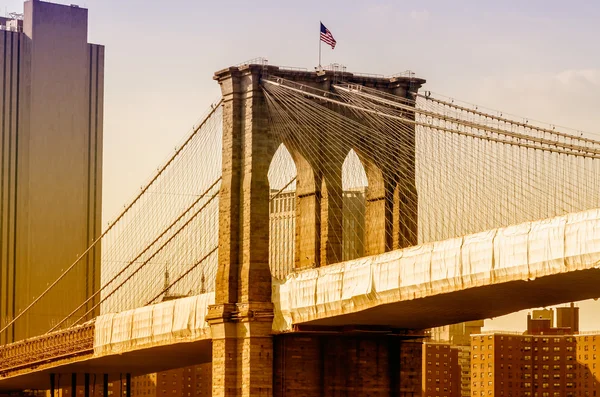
(193, 381)
(523, 365)
(51, 162)
(458, 336)
(441, 370)
(544, 361)
(588, 369)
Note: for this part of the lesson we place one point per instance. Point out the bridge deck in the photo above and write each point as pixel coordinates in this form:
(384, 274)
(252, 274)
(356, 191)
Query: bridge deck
(474, 277)
(153, 338)
(478, 276)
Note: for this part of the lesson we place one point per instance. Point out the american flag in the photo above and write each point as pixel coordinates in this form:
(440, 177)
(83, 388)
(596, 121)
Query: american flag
(327, 37)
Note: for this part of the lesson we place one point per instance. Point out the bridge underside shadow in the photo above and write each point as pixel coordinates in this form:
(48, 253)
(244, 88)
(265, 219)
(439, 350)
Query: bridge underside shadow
(473, 303)
(137, 362)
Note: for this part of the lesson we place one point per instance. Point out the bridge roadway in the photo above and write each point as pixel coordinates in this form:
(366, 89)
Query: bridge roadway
(473, 277)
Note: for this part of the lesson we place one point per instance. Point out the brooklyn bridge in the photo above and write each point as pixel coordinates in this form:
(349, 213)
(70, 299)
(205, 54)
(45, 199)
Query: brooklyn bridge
(311, 211)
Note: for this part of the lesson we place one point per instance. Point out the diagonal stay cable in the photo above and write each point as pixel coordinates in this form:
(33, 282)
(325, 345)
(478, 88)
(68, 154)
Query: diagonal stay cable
(195, 265)
(119, 217)
(142, 253)
(379, 113)
(282, 189)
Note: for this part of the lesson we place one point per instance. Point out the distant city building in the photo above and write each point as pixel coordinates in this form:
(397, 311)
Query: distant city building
(588, 360)
(353, 235)
(115, 388)
(545, 361)
(282, 234)
(458, 336)
(194, 381)
(51, 163)
(441, 370)
(283, 229)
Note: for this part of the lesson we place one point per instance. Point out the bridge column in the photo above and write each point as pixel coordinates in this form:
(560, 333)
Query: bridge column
(241, 319)
(331, 209)
(379, 211)
(308, 214)
(319, 205)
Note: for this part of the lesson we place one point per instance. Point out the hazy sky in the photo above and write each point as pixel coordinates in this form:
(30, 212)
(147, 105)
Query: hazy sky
(537, 58)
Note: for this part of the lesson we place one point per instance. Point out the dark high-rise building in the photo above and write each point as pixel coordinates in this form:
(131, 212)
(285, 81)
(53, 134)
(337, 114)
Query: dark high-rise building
(51, 95)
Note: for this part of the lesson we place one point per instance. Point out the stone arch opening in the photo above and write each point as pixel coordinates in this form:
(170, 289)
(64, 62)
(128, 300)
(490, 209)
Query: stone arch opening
(282, 176)
(354, 186)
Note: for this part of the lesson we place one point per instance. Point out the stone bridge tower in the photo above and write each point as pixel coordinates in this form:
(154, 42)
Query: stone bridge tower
(241, 319)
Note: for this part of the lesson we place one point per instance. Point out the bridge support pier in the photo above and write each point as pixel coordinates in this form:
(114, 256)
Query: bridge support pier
(241, 319)
(357, 365)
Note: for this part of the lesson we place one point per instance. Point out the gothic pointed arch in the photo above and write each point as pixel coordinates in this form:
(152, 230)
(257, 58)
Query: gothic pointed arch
(282, 212)
(355, 184)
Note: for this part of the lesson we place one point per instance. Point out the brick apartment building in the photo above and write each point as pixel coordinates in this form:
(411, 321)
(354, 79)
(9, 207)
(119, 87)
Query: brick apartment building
(183, 382)
(441, 370)
(195, 381)
(458, 337)
(545, 361)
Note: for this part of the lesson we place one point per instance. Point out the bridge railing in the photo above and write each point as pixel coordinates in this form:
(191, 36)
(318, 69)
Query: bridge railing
(59, 345)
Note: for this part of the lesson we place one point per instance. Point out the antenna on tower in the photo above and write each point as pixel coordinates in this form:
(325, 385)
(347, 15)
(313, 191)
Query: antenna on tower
(203, 284)
(167, 285)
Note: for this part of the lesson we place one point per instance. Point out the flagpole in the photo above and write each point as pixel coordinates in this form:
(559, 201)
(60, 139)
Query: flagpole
(320, 45)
